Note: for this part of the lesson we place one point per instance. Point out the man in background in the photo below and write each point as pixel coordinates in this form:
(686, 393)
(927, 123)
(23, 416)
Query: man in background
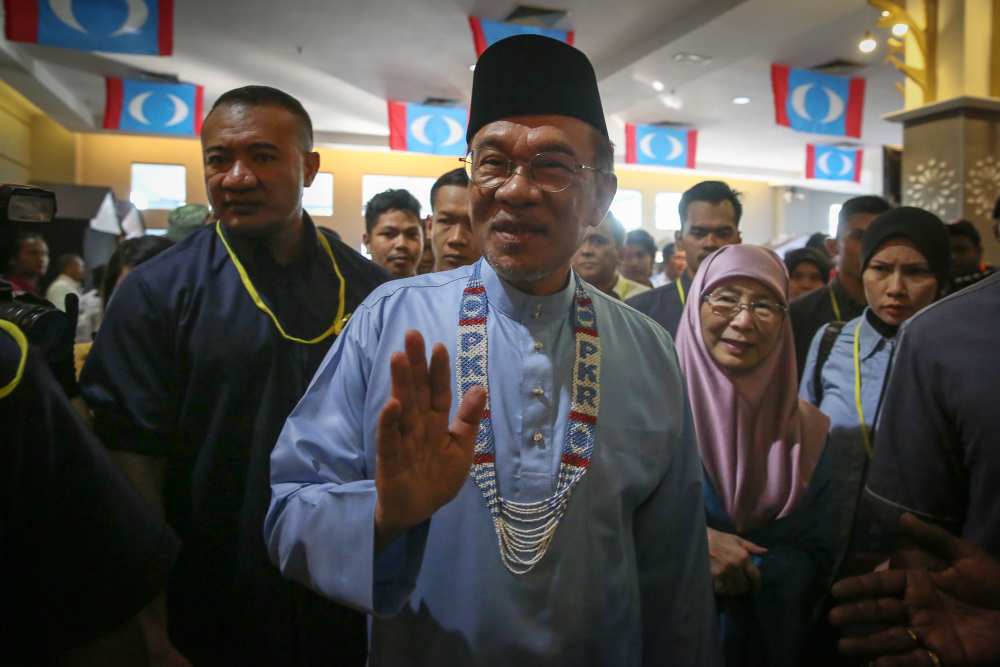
(597, 259)
(448, 228)
(844, 299)
(808, 270)
(71, 270)
(394, 234)
(710, 215)
(674, 264)
(28, 261)
(967, 266)
(639, 257)
(185, 220)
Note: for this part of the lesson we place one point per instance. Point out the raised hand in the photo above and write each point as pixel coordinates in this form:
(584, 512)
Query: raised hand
(951, 615)
(421, 461)
(733, 572)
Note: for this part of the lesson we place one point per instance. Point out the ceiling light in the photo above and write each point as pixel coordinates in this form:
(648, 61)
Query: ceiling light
(472, 67)
(900, 29)
(672, 101)
(886, 13)
(868, 44)
(691, 58)
(658, 86)
(741, 100)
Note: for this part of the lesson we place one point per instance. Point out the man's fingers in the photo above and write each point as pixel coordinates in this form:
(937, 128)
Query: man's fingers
(884, 642)
(755, 549)
(440, 380)
(887, 611)
(935, 539)
(417, 356)
(387, 437)
(402, 388)
(889, 583)
(465, 426)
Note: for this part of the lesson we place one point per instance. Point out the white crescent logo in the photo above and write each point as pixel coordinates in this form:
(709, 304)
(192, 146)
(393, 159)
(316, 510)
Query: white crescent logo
(836, 106)
(138, 14)
(135, 107)
(823, 163)
(455, 131)
(676, 148)
(181, 111)
(799, 100)
(646, 146)
(848, 165)
(63, 9)
(419, 128)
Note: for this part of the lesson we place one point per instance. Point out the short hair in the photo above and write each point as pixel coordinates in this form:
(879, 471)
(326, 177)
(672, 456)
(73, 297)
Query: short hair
(616, 227)
(260, 96)
(63, 261)
(12, 244)
(965, 228)
(713, 192)
(871, 204)
(130, 253)
(456, 177)
(643, 239)
(668, 250)
(818, 242)
(390, 200)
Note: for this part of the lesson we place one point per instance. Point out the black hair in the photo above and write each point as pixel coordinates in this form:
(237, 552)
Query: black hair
(818, 241)
(389, 200)
(456, 177)
(713, 192)
(130, 253)
(62, 261)
(258, 96)
(872, 204)
(996, 209)
(643, 239)
(10, 246)
(811, 255)
(968, 230)
(668, 250)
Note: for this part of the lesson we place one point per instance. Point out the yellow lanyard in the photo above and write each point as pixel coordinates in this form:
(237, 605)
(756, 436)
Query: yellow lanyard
(865, 436)
(22, 344)
(680, 290)
(836, 306)
(338, 322)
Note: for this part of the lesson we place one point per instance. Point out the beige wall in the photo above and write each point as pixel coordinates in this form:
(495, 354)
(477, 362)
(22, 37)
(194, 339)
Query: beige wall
(15, 136)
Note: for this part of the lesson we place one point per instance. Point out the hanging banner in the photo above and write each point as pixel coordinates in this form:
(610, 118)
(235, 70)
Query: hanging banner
(114, 26)
(817, 103)
(153, 107)
(833, 163)
(423, 128)
(659, 145)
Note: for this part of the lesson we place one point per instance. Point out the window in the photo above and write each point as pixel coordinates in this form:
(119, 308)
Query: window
(666, 216)
(318, 197)
(159, 186)
(832, 219)
(627, 207)
(418, 186)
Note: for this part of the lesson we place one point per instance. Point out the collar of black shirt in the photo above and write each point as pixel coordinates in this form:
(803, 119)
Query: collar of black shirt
(257, 259)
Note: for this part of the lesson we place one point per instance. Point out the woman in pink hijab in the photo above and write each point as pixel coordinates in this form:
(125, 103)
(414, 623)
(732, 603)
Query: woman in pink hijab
(767, 481)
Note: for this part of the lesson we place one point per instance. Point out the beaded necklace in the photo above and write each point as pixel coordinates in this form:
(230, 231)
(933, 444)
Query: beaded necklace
(525, 530)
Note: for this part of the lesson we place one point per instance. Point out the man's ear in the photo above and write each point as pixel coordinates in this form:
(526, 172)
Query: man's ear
(607, 186)
(310, 166)
(364, 239)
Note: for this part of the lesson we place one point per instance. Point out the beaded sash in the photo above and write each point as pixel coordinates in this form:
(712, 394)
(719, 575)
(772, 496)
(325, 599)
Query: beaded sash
(525, 530)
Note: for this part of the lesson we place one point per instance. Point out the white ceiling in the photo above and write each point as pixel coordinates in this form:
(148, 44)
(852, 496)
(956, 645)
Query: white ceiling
(343, 59)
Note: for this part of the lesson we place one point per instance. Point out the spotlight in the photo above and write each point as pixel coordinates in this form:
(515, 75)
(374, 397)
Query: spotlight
(741, 100)
(658, 86)
(886, 13)
(900, 29)
(472, 67)
(868, 44)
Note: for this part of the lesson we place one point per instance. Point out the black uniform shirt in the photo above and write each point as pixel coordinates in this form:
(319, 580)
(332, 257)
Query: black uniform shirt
(664, 304)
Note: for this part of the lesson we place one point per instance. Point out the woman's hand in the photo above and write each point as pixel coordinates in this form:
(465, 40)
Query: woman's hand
(733, 573)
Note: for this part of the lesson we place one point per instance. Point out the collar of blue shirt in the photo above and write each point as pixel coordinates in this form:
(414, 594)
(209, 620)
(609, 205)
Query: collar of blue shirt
(526, 308)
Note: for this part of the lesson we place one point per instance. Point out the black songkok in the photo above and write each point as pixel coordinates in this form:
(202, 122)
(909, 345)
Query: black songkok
(922, 228)
(533, 75)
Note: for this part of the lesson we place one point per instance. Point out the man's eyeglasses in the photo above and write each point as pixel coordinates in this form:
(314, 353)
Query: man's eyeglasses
(728, 305)
(551, 172)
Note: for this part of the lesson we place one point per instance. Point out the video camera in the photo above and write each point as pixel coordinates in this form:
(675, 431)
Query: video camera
(45, 326)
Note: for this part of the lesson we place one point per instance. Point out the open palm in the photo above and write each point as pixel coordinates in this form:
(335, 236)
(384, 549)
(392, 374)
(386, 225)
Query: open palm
(422, 461)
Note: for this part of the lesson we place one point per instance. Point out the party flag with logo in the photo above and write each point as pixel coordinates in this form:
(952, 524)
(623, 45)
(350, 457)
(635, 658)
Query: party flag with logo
(117, 26)
(659, 145)
(818, 103)
(486, 32)
(153, 107)
(423, 128)
(833, 163)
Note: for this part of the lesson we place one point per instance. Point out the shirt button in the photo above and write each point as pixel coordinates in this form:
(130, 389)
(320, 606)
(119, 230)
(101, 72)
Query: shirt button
(538, 311)
(538, 437)
(538, 391)
(538, 345)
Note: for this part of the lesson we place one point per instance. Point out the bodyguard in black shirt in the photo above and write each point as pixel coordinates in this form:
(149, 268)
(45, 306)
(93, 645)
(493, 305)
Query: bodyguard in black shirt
(203, 352)
(844, 298)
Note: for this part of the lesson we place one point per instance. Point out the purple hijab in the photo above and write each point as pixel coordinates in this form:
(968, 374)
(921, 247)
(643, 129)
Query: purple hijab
(759, 443)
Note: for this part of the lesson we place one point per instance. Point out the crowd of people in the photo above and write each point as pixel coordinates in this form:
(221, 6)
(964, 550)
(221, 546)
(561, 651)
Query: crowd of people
(540, 449)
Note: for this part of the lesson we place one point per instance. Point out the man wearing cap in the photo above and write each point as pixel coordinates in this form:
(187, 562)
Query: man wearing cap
(558, 519)
(185, 220)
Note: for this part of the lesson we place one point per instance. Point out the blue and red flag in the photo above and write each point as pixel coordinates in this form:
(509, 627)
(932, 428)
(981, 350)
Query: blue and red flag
(486, 32)
(117, 26)
(153, 107)
(833, 163)
(423, 128)
(659, 145)
(818, 103)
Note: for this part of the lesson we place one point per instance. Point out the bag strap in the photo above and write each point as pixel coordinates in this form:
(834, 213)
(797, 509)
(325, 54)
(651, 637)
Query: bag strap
(825, 347)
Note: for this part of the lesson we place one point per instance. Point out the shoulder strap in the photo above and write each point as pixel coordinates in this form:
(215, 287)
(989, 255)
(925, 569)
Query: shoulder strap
(825, 347)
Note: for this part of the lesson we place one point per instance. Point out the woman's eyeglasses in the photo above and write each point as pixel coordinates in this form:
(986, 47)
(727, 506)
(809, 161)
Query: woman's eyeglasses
(728, 305)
